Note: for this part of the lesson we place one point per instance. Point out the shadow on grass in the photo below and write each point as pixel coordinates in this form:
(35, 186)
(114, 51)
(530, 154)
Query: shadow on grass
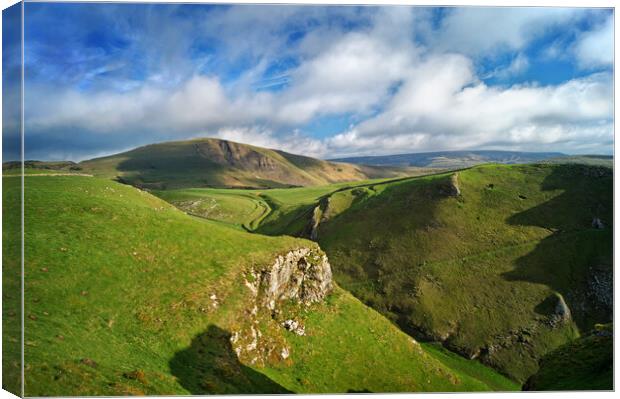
(566, 260)
(210, 366)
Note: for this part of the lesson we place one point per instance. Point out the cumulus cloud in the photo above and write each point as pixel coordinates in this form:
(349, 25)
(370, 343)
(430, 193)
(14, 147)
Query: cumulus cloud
(443, 106)
(479, 31)
(293, 142)
(405, 95)
(595, 48)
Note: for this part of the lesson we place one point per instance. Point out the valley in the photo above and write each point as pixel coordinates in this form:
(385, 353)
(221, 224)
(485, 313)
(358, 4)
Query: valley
(410, 280)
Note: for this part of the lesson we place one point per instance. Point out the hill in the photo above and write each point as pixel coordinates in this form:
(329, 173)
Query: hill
(452, 159)
(503, 263)
(224, 164)
(126, 295)
(584, 364)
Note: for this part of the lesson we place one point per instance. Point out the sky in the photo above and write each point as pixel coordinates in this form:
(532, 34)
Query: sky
(316, 80)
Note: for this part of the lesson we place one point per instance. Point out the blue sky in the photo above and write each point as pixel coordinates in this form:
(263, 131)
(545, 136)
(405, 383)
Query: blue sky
(316, 80)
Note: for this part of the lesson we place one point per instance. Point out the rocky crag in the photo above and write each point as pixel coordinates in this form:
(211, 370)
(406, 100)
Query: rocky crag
(278, 294)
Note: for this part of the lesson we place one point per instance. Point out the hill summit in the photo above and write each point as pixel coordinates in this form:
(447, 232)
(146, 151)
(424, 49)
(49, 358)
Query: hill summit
(209, 162)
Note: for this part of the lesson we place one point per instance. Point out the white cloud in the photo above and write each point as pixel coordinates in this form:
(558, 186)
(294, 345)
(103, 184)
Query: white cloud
(595, 48)
(408, 97)
(517, 66)
(293, 142)
(443, 106)
(483, 30)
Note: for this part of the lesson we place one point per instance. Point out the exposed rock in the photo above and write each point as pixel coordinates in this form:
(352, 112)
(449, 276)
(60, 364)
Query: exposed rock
(451, 188)
(214, 301)
(561, 313)
(303, 275)
(294, 326)
(597, 223)
(319, 214)
(601, 288)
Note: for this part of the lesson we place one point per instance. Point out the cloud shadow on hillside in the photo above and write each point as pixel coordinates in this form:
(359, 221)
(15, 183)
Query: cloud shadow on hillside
(557, 261)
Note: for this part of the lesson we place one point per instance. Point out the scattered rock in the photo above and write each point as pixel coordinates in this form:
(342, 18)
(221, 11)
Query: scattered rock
(60, 337)
(63, 249)
(32, 317)
(214, 301)
(294, 326)
(285, 353)
(44, 269)
(84, 293)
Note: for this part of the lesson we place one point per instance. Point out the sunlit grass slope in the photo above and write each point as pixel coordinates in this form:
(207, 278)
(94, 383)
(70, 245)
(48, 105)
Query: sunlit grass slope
(119, 300)
(480, 271)
(11, 285)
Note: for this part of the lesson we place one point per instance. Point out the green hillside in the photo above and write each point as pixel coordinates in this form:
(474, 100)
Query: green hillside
(584, 364)
(485, 269)
(252, 209)
(225, 164)
(125, 294)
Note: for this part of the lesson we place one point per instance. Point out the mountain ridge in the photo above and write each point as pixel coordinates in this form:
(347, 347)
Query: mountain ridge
(451, 159)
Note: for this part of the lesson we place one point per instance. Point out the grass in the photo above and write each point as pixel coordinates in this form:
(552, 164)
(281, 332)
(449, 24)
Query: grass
(472, 270)
(11, 286)
(118, 302)
(254, 210)
(243, 208)
(471, 368)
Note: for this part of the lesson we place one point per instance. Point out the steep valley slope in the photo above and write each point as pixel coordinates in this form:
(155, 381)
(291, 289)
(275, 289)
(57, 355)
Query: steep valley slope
(127, 295)
(502, 263)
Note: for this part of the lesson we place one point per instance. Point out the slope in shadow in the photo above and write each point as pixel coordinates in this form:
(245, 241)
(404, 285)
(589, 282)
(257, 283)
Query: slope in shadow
(578, 252)
(210, 366)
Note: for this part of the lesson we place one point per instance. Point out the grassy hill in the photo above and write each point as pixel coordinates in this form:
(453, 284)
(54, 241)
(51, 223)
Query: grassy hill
(583, 364)
(125, 294)
(484, 261)
(221, 163)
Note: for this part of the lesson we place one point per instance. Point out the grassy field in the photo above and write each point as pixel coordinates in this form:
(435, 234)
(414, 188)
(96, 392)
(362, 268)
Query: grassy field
(243, 208)
(249, 208)
(119, 288)
(11, 285)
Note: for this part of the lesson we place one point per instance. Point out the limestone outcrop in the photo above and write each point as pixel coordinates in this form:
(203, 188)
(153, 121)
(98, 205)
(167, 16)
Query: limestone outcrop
(300, 277)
